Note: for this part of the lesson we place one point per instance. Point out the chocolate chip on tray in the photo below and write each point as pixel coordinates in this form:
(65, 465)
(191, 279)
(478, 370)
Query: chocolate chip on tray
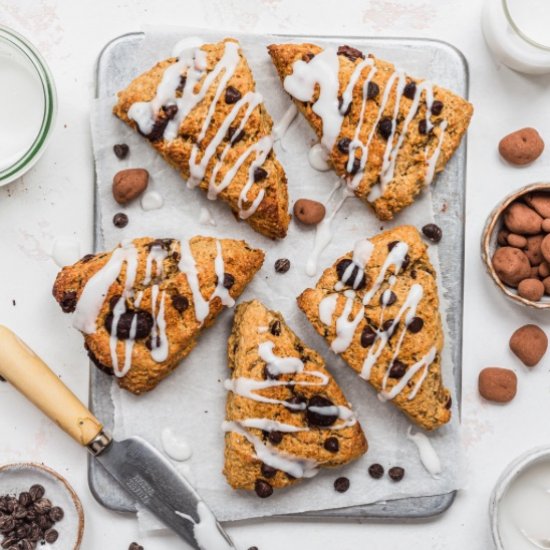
(121, 150)
(341, 484)
(135, 546)
(376, 471)
(396, 473)
(282, 265)
(432, 232)
(120, 220)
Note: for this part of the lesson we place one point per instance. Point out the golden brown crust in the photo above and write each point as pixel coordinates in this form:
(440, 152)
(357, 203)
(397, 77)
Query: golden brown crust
(241, 468)
(430, 408)
(182, 326)
(411, 166)
(272, 217)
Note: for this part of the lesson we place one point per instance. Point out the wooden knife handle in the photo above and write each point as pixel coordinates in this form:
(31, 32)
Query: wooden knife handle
(20, 366)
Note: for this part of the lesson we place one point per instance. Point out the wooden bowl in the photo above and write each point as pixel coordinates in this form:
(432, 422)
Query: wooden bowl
(18, 477)
(489, 245)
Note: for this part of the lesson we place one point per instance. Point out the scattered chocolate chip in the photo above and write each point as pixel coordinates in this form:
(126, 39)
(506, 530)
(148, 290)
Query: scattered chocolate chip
(120, 220)
(415, 325)
(259, 174)
(398, 369)
(121, 150)
(437, 107)
(282, 265)
(135, 546)
(351, 279)
(180, 303)
(68, 301)
(385, 127)
(396, 473)
(372, 90)
(376, 471)
(368, 336)
(341, 484)
(318, 417)
(423, 127)
(343, 145)
(432, 232)
(232, 95)
(388, 297)
(275, 437)
(297, 403)
(410, 90)
(263, 488)
(267, 471)
(275, 328)
(228, 280)
(351, 53)
(331, 444)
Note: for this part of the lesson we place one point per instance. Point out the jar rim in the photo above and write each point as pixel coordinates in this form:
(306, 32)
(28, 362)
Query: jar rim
(28, 51)
(513, 23)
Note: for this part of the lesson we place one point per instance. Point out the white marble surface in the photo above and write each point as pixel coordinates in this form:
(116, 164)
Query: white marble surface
(55, 199)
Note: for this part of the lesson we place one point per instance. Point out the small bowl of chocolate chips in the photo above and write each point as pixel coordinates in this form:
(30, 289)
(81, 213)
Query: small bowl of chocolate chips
(515, 246)
(38, 507)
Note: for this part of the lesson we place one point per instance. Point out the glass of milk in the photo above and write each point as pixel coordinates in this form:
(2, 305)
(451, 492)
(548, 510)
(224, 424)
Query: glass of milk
(520, 504)
(517, 33)
(28, 105)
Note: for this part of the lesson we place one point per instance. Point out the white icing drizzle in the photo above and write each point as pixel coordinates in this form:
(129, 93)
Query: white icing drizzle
(346, 327)
(427, 453)
(188, 266)
(318, 157)
(432, 161)
(327, 307)
(281, 128)
(361, 255)
(155, 258)
(279, 365)
(320, 71)
(159, 339)
(207, 531)
(296, 467)
(220, 290)
(175, 445)
(323, 231)
(151, 200)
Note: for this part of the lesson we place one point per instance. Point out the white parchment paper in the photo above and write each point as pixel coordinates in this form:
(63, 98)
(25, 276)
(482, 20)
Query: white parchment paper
(192, 399)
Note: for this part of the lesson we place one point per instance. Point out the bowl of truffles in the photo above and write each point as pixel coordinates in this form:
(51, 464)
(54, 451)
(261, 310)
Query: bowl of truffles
(515, 246)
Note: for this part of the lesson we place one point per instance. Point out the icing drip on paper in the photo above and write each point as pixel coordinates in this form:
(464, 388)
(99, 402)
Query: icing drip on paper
(427, 453)
(151, 200)
(205, 217)
(318, 158)
(174, 445)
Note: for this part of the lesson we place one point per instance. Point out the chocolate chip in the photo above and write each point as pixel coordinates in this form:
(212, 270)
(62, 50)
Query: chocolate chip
(297, 402)
(232, 95)
(396, 473)
(423, 127)
(368, 336)
(398, 369)
(432, 232)
(355, 167)
(181, 85)
(275, 328)
(351, 280)
(267, 471)
(385, 127)
(51, 535)
(121, 150)
(160, 243)
(170, 111)
(282, 265)
(316, 418)
(37, 492)
(87, 258)
(406, 262)
(387, 298)
(268, 375)
(386, 326)
(415, 325)
(372, 90)
(120, 220)
(341, 484)
(228, 280)
(275, 437)
(135, 546)
(410, 90)
(331, 444)
(392, 245)
(307, 57)
(263, 488)
(343, 145)
(449, 403)
(351, 53)
(341, 104)
(259, 174)
(180, 303)
(437, 107)
(144, 324)
(376, 471)
(68, 301)
(234, 138)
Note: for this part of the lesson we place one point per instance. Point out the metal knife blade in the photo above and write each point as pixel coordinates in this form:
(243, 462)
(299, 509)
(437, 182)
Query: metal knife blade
(150, 478)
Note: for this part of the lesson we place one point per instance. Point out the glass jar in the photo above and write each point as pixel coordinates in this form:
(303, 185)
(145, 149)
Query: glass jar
(28, 105)
(517, 33)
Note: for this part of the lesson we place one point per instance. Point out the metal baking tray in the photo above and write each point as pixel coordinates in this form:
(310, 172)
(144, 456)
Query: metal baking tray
(114, 64)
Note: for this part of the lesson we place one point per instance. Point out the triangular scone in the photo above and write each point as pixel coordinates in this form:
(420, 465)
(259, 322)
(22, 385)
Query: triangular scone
(286, 415)
(142, 306)
(379, 308)
(202, 113)
(386, 133)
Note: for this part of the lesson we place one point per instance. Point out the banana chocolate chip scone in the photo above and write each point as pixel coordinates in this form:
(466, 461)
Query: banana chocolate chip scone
(386, 133)
(378, 307)
(201, 112)
(286, 415)
(142, 306)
